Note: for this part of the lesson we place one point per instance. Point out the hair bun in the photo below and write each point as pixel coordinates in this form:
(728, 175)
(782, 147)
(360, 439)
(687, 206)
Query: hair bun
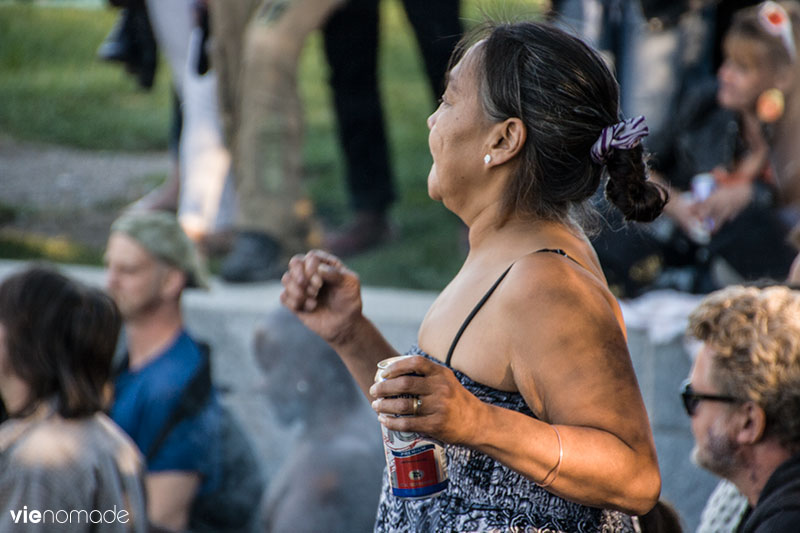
(628, 188)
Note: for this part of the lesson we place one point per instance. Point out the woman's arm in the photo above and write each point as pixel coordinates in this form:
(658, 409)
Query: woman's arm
(570, 361)
(326, 296)
(573, 361)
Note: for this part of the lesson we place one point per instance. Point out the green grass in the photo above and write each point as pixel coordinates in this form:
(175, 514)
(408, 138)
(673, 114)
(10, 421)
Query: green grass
(16, 245)
(52, 89)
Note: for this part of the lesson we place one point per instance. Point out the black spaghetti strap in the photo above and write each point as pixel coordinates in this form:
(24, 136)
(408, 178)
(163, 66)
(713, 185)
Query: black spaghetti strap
(472, 314)
(486, 296)
(559, 251)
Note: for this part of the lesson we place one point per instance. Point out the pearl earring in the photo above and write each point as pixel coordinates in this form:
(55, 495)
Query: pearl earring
(487, 159)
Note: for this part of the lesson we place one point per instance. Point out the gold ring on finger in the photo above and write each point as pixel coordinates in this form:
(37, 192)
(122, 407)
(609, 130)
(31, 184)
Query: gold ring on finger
(417, 405)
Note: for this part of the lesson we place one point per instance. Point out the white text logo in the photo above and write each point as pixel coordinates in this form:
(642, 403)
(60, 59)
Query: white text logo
(35, 516)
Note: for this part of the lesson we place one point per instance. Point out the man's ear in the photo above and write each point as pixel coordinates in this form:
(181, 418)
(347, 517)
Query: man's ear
(751, 422)
(506, 140)
(174, 282)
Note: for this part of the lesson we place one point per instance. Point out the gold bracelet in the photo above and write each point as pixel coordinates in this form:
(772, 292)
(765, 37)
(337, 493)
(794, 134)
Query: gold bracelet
(547, 481)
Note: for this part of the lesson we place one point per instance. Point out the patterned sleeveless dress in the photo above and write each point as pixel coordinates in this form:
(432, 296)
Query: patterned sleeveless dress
(485, 495)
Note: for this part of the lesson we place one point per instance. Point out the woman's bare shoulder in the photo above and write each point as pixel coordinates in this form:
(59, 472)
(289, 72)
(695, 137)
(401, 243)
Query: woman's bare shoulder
(556, 303)
(558, 279)
(562, 318)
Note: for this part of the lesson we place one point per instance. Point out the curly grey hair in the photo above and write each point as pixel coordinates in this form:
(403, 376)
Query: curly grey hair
(755, 337)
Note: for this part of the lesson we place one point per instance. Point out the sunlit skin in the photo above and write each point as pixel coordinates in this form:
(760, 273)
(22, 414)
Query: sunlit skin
(794, 272)
(134, 277)
(457, 139)
(714, 447)
(744, 74)
(13, 391)
(552, 326)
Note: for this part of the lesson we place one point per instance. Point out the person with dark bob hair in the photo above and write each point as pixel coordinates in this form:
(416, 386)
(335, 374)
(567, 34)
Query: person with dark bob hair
(58, 451)
(521, 368)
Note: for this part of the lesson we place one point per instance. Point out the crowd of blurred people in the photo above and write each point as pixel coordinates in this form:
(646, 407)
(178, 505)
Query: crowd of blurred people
(724, 154)
(715, 80)
(238, 118)
(721, 92)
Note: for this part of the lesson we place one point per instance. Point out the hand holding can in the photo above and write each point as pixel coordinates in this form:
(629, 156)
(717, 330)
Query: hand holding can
(416, 464)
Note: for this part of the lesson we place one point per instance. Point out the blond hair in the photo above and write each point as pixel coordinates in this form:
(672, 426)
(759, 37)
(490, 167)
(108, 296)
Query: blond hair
(746, 25)
(755, 337)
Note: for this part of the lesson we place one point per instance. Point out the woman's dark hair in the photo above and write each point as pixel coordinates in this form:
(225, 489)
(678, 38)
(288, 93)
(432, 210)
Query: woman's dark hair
(565, 95)
(60, 339)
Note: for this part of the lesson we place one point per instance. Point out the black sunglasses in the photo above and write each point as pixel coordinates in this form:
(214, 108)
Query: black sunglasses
(691, 398)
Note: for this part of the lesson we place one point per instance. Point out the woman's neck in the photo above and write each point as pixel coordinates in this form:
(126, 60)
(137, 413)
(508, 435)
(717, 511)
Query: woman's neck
(516, 236)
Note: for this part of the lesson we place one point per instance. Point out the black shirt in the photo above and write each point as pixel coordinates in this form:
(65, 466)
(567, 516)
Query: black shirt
(778, 508)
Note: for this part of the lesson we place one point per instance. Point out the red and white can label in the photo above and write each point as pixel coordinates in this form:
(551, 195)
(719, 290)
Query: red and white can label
(417, 464)
(417, 469)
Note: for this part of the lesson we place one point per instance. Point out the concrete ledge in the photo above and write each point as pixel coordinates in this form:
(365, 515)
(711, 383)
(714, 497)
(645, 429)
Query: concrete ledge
(228, 315)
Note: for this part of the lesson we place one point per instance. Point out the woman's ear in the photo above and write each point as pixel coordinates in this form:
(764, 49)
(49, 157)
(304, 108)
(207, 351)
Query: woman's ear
(506, 140)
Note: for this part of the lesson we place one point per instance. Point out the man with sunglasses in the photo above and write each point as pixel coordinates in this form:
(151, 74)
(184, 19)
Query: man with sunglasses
(743, 397)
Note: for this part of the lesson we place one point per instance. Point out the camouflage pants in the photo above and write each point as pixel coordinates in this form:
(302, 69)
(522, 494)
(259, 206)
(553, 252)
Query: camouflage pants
(257, 46)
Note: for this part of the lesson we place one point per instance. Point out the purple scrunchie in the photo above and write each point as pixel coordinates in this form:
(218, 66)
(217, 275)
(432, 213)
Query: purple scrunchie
(624, 135)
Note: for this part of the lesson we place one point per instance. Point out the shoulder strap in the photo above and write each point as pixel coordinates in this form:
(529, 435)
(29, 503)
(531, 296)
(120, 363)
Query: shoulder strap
(192, 399)
(486, 296)
(472, 314)
(559, 251)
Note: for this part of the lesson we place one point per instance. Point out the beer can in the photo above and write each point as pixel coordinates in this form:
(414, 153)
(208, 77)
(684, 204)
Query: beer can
(416, 464)
(702, 186)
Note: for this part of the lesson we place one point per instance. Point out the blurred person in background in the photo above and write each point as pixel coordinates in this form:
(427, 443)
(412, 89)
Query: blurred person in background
(726, 506)
(198, 188)
(331, 479)
(743, 397)
(150, 261)
(351, 37)
(257, 46)
(59, 453)
(255, 53)
(655, 47)
(731, 167)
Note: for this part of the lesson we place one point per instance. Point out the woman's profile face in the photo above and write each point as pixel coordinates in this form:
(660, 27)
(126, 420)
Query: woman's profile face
(744, 74)
(457, 137)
